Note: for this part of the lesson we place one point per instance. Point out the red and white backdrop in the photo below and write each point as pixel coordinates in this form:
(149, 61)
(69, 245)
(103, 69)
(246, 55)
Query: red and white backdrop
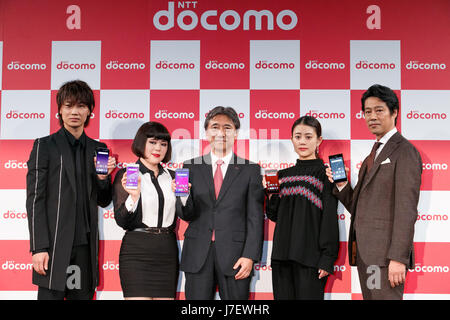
(273, 61)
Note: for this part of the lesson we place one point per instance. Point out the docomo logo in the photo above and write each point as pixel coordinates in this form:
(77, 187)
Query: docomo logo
(14, 164)
(64, 65)
(262, 266)
(11, 214)
(115, 65)
(15, 115)
(432, 269)
(415, 115)
(360, 115)
(313, 64)
(163, 114)
(375, 65)
(274, 65)
(92, 115)
(434, 166)
(213, 64)
(275, 165)
(16, 65)
(172, 165)
(108, 214)
(432, 217)
(415, 65)
(11, 265)
(113, 114)
(174, 65)
(339, 268)
(110, 265)
(325, 115)
(263, 114)
(226, 25)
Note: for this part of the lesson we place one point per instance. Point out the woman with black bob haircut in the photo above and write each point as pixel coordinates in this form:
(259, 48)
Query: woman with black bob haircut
(148, 260)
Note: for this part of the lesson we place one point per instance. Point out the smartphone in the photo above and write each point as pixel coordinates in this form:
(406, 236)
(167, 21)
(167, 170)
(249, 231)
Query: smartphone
(338, 167)
(181, 182)
(132, 176)
(101, 166)
(272, 183)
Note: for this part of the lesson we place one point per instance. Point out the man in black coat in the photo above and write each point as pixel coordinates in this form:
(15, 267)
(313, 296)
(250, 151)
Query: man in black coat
(63, 192)
(225, 213)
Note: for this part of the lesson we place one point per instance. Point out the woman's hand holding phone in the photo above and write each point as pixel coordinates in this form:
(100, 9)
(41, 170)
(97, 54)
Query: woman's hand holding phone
(134, 193)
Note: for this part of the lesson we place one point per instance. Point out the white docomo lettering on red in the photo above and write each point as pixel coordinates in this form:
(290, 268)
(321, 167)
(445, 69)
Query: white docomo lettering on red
(263, 114)
(339, 268)
(212, 64)
(325, 115)
(116, 65)
(375, 65)
(434, 166)
(14, 164)
(11, 265)
(434, 269)
(16, 65)
(11, 214)
(175, 65)
(121, 165)
(13, 114)
(426, 115)
(163, 114)
(113, 114)
(274, 65)
(416, 65)
(110, 265)
(313, 64)
(64, 65)
(360, 115)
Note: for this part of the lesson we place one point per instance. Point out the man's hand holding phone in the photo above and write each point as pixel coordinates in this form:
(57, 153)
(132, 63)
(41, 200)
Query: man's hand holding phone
(337, 172)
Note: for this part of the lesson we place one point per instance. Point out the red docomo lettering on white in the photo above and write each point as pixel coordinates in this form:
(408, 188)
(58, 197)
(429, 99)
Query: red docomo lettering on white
(15, 115)
(212, 64)
(172, 165)
(416, 65)
(375, 65)
(275, 165)
(163, 114)
(14, 164)
(314, 64)
(325, 115)
(108, 214)
(175, 65)
(432, 217)
(116, 65)
(274, 65)
(113, 114)
(64, 65)
(11, 214)
(11, 265)
(110, 265)
(426, 115)
(207, 17)
(432, 269)
(263, 114)
(16, 65)
(262, 266)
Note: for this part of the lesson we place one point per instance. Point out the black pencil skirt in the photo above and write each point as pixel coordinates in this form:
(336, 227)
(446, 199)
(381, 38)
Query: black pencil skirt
(148, 265)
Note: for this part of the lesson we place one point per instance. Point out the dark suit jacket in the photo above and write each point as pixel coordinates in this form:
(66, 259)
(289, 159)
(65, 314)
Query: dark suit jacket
(237, 215)
(383, 205)
(51, 205)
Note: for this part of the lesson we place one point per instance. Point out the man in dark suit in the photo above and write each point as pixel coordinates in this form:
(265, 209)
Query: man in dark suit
(63, 192)
(225, 213)
(383, 204)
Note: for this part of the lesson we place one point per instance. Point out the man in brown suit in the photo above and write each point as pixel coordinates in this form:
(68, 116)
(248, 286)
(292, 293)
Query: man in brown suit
(383, 204)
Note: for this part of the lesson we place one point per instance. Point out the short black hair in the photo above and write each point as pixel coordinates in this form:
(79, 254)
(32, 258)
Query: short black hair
(76, 91)
(227, 111)
(155, 130)
(385, 94)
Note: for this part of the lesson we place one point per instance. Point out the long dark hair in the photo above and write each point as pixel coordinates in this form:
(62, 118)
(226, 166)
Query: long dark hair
(310, 122)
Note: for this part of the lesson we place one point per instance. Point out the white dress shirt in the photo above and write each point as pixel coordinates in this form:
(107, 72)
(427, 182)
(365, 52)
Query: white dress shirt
(226, 160)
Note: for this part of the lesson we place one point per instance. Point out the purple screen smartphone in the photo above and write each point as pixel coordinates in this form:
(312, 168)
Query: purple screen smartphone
(101, 166)
(182, 182)
(132, 176)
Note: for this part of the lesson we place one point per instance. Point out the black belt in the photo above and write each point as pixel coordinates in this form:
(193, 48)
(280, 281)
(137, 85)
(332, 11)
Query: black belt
(154, 230)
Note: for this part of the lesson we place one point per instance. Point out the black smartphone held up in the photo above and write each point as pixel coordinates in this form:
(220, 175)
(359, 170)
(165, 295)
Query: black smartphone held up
(272, 183)
(182, 182)
(338, 167)
(101, 166)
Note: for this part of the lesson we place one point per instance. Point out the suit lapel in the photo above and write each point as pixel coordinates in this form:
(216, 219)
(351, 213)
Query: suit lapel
(206, 169)
(232, 172)
(64, 148)
(390, 146)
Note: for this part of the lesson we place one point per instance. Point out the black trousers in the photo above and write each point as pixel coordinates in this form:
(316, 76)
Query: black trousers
(80, 261)
(202, 285)
(294, 281)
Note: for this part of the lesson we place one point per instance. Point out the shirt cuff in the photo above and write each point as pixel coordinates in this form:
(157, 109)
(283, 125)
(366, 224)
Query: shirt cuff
(130, 205)
(184, 200)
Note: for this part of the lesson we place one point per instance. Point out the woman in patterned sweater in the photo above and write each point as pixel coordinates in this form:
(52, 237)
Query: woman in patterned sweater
(306, 236)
